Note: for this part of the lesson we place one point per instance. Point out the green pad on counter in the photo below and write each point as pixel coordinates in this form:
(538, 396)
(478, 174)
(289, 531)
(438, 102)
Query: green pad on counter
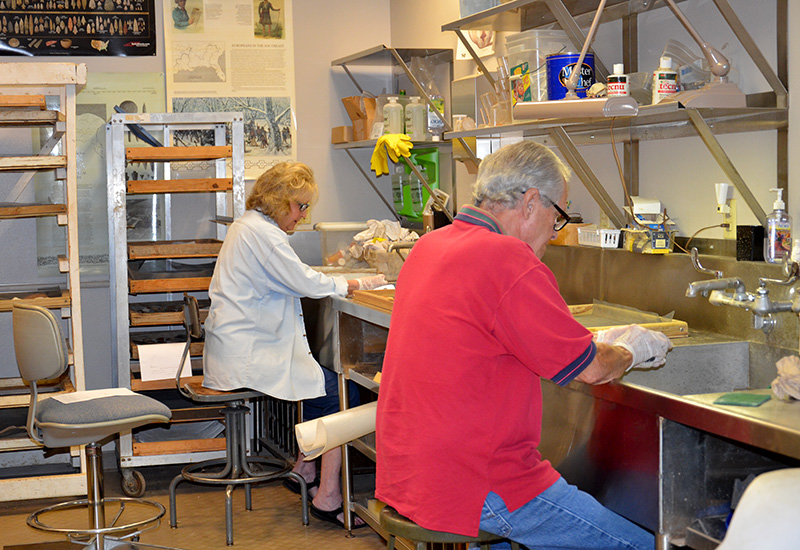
(742, 399)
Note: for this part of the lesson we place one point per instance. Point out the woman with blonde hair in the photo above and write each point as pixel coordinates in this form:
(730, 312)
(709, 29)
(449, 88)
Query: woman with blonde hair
(255, 332)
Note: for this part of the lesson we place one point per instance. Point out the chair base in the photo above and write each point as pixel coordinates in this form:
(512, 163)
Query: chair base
(108, 545)
(237, 468)
(99, 534)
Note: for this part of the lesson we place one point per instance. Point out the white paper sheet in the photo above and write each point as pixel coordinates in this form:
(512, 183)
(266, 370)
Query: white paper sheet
(318, 436)
(160, 361)
(79, 396)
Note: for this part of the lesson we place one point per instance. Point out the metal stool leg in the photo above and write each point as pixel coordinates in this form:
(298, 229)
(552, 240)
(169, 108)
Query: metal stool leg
(229, 514)
(94, 477)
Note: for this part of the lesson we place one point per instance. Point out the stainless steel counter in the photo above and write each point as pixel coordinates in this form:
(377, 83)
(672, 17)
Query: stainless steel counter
(653, 447)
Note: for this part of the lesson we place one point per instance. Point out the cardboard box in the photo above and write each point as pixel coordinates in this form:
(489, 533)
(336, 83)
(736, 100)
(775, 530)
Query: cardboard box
(568, 236)
(342, 134)
(361, 111)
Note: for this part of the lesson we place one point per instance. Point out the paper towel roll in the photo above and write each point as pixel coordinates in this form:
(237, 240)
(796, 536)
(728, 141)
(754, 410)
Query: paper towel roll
(320, 435)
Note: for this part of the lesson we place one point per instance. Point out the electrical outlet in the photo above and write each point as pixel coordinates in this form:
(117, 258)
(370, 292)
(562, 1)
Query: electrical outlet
(729, 232)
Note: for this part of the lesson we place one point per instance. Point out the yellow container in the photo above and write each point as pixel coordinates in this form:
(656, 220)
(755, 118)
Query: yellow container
(648, 241)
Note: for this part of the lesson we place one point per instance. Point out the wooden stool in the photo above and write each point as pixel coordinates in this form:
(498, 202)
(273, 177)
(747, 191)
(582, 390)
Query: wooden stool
(400, 526)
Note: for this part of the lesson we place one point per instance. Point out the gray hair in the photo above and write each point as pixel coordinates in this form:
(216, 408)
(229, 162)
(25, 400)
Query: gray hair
(507, 173)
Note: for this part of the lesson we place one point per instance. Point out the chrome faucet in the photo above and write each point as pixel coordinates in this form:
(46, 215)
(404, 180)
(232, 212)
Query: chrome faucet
(758, 302)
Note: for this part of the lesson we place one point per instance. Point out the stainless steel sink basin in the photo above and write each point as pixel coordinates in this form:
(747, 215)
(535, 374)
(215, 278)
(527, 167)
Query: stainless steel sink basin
(699, 364)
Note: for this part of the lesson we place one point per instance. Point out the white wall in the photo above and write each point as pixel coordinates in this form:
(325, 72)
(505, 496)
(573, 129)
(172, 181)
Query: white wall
(680, 172)
(325, 32)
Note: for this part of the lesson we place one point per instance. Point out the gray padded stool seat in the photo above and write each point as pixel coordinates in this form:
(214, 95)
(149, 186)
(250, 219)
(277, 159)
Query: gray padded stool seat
(397, 525)
(237, 468)
(81, 418)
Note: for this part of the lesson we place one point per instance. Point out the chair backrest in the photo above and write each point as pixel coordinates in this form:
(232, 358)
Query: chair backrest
(766, 516)
(194, 331)
(38, 343)
(41, 351)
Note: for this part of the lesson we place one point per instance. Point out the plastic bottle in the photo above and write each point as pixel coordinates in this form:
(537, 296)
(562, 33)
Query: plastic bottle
(618, 82)
(436, 124)
(778, 240)
(416, 121)
(393, 117)
(398, 179)
(665, 80)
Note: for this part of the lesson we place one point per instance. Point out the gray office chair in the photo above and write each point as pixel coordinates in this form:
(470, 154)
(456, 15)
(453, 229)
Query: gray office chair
(237, 468)
(81, 418)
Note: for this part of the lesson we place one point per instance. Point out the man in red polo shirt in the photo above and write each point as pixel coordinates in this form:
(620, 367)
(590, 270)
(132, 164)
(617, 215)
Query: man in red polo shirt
(477, 322)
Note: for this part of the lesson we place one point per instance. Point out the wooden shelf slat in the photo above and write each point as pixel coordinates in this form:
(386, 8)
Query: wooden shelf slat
(14, 392)
(37, 298)
(186, 284)
(177, 154)
(28, 118)
(177, 447)
(198, 248)
(144, 314)
(20, 101)
(154, 385)
(20, 210)
(200, 185)
(44, 162)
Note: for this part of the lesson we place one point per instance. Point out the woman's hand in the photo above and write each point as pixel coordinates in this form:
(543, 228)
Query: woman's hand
(366, 283)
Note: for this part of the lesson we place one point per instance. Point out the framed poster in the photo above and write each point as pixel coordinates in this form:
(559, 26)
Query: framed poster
(221, 60)
(77, 27)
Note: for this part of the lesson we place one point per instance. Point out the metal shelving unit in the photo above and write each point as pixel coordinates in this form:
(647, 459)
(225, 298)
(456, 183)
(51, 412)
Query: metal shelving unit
(765, 111)
(41, 97)
(154, 257)
(394, 62)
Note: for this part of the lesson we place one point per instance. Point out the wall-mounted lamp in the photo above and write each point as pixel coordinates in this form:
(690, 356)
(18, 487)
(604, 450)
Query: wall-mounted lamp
(717, 93)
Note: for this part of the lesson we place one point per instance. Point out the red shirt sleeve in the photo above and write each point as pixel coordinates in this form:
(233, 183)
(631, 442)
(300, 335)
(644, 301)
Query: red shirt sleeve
(534, 323)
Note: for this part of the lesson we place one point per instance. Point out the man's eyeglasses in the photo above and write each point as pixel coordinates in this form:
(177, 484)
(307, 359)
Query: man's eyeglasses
(302, 206)
(563, 217)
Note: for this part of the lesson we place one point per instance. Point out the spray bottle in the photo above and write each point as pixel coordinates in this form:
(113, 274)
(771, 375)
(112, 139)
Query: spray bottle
(778, 240)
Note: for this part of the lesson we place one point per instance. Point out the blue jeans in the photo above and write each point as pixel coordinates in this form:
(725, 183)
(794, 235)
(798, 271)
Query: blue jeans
(329, 403)
(563, 517)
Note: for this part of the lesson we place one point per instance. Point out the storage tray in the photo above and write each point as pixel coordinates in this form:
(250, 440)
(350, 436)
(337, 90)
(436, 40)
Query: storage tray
(601, 238)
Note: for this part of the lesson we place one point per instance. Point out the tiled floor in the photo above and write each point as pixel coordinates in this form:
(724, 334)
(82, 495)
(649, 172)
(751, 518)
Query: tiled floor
(274, 523)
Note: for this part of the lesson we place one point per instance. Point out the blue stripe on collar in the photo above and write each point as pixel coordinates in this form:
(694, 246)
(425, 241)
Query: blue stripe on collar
(477, 216)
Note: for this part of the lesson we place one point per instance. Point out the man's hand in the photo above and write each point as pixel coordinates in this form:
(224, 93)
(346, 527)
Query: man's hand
(621, 348)
(648, 348)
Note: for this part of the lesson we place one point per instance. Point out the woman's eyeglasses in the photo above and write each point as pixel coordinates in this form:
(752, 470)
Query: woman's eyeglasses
(302, 206)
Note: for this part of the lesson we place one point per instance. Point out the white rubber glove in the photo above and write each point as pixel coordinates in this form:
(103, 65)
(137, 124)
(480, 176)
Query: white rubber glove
(374, 281)
(648, 347)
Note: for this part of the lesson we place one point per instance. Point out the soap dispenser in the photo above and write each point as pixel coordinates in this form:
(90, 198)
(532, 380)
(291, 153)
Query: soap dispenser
(778, 240)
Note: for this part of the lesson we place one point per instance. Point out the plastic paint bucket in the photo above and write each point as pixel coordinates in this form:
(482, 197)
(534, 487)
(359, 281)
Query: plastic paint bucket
(559, 69)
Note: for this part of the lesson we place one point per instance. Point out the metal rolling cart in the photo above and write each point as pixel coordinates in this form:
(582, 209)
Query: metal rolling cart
(175, 182)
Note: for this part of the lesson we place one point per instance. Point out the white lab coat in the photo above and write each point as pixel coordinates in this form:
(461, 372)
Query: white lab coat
(255, 334)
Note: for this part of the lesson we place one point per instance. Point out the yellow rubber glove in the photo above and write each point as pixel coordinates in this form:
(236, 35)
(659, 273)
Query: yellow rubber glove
(379, 163)
(397, 145)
